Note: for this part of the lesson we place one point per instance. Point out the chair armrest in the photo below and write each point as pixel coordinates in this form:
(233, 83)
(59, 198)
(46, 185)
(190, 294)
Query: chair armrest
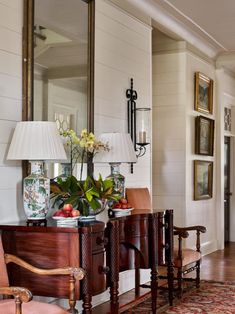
(77, 272)
(19, 293)
(201, 229)
(182, 232)
(73, 272)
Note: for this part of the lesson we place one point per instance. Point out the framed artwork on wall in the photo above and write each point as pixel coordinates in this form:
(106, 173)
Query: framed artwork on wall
(203, 93)
(203, 179)
(204, 136)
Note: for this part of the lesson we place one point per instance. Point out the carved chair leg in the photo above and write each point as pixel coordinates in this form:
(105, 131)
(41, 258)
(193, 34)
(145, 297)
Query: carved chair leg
(18, 305)
(154, 288)
(198, 274)
(72, 300)
(180, 281)
(170, 280)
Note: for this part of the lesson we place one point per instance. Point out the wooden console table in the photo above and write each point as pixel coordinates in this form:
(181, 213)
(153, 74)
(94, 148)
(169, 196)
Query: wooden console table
(131, 242)
(51, 246)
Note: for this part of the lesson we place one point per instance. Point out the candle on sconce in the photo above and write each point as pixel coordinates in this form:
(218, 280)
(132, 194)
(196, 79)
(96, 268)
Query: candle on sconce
(142, 137)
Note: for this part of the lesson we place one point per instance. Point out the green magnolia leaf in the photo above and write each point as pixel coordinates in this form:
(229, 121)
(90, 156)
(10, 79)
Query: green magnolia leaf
(95, 193)
(57, 199)
(108, 193)
(90, 193)
(95, 204)
(114, 197)
(85, 210)
(86, 184)
(71, 200)
(83, 195)
(108, 184)
(74, 187)
(98, 184)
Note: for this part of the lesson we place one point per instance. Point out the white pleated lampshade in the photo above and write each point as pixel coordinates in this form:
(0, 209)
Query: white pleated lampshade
(36, 140)
(121, 149)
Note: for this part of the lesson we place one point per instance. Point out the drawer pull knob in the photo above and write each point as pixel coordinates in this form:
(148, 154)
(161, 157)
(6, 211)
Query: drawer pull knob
(100, 241)
(103, 270)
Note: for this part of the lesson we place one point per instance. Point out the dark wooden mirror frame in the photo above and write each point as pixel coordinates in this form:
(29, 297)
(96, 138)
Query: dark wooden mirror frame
(28, 68)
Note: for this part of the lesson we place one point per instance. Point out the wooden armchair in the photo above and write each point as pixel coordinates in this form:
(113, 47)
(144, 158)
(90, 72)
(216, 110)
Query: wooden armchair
(184, 260)
(20, 304)
(187, 260)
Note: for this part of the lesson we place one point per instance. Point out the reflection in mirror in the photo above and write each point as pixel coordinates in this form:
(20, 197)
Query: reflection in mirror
(61, 79)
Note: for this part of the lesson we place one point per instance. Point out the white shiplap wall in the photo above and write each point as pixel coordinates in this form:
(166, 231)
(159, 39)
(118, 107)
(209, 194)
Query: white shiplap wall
(11, 17)
(174, 138)
(122, 52)
(202, 212)
(169, 133)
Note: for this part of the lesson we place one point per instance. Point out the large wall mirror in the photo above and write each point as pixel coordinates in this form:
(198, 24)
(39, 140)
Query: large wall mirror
(58, 64)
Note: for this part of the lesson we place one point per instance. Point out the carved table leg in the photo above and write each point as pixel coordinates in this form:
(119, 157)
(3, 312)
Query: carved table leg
(113, 260)
(86, 262)
(154, 260)
(169, 253)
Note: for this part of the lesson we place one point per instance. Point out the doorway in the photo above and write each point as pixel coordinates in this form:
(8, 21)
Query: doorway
(227, 192)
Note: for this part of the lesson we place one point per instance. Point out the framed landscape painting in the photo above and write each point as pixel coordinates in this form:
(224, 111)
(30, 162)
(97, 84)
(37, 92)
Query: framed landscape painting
(203, 179)
(204, 136)
(203, 93)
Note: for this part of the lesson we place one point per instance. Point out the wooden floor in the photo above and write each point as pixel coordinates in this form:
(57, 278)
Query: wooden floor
(218, 266)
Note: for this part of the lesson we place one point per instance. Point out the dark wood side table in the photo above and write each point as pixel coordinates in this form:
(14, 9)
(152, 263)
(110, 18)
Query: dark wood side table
(51, 246)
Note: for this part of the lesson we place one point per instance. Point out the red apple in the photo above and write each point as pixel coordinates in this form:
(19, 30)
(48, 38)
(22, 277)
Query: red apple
(57, 213)
(124, 206)
(60, 213)
(117, 205)
(123, 201)
(75, 213)
(67, 208)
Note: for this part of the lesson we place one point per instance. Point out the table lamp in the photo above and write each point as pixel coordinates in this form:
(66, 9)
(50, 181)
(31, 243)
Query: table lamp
(36, 141)
(121, 151)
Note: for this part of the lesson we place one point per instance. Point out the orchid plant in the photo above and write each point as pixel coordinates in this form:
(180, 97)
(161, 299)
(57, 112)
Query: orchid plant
(83, 147)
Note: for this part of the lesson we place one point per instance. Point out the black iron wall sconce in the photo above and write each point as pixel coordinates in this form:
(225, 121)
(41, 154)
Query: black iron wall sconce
(138, 122)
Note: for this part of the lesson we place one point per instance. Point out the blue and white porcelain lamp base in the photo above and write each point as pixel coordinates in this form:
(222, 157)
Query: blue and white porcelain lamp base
(36, 193)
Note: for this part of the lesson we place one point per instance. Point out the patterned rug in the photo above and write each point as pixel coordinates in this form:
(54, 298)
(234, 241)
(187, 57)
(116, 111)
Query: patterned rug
(210, 298)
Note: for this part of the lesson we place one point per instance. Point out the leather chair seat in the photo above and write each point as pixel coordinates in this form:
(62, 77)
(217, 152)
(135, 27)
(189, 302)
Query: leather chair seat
(188, 256)
(32, 307)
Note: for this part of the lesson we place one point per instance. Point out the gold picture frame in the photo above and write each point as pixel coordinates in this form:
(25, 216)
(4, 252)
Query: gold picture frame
(204, 136)
(203, 179)
(203, 93)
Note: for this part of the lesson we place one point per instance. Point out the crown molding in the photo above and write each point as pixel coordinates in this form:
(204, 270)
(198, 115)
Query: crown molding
(168, 23)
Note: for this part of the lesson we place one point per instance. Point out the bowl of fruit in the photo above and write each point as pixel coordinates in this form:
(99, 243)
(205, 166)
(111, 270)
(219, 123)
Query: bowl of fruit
(66, 215)
(121, 208)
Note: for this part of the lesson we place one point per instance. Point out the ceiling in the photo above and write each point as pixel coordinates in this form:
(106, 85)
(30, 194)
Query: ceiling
(212, 21)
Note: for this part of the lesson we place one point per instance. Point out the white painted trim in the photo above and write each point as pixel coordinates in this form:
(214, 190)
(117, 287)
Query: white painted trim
(219, 166)
(209, 247)
(128, 14)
